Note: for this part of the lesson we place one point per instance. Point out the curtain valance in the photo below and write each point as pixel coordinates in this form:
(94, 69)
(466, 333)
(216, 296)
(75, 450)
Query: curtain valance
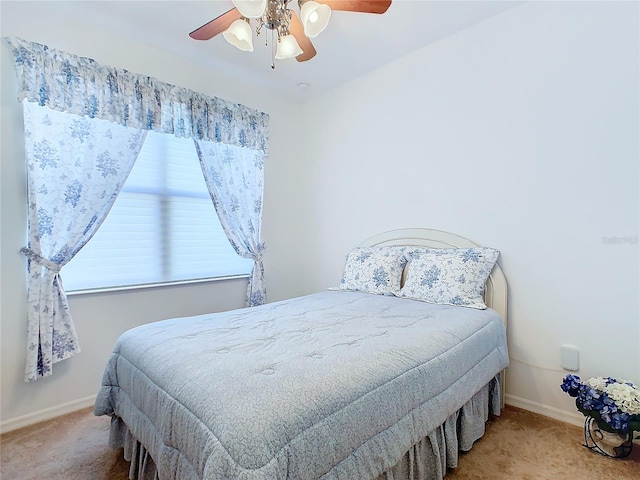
(73, 84)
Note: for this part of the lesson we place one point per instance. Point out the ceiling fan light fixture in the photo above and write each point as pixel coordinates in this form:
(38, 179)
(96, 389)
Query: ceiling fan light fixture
(294, 31)
(251, 8)
(239, 35)
(288, 47)
(314, 17)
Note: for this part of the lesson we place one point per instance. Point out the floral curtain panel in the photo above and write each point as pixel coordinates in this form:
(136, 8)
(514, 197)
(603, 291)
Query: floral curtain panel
(129, 104)
(75, 169)
(234, 177)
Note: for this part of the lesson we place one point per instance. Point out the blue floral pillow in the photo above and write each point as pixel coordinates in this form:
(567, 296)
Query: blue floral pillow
(374, 270)
(449, 276)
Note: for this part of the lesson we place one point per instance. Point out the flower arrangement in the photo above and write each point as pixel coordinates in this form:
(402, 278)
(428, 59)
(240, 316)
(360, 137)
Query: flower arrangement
(613, 404)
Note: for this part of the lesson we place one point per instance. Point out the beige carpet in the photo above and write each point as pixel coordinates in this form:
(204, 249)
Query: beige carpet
(518, 445)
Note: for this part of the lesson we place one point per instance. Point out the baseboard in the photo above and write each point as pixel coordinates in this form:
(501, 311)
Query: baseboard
(574, 418)
(46, 414)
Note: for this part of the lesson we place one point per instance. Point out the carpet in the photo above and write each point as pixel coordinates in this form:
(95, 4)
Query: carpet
(518, 445)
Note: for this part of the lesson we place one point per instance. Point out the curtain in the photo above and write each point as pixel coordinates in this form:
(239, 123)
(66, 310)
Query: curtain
(131, 104)
(75, 169)
(234, 177)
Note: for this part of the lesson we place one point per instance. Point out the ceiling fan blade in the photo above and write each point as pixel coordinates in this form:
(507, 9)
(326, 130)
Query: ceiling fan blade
(363, 6)
(297, 30)
(216, 26)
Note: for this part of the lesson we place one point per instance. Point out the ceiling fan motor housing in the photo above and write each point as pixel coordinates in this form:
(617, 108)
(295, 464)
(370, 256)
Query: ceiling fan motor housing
(275, 15)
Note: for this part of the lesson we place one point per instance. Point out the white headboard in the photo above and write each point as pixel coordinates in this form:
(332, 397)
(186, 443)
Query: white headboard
(496, 287)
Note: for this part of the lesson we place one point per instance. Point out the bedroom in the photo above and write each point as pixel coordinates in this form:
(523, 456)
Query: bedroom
(520, 132)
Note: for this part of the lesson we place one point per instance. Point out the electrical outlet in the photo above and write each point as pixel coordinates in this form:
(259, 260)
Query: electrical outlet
(570, 358)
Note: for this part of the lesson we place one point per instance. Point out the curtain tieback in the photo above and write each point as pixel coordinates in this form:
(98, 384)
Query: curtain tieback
(257, 256)
(40, 260)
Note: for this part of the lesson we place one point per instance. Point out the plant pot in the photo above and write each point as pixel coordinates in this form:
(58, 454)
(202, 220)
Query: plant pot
(610, 444)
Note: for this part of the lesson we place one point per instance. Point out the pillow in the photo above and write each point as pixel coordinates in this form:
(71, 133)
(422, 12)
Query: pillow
(449, 276)
(374, 270)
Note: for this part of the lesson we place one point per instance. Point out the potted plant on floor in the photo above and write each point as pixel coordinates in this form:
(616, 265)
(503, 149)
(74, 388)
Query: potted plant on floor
(612, 411)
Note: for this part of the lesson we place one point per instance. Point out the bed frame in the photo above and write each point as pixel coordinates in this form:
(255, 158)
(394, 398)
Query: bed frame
(495, 294)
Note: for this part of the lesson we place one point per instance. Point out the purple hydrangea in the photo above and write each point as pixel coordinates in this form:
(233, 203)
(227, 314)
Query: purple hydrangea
(571, 384)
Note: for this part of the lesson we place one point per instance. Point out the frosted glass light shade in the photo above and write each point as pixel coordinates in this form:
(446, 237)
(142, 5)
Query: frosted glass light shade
(239, 35)
(251, 8)
(287, 47)
(314, 17)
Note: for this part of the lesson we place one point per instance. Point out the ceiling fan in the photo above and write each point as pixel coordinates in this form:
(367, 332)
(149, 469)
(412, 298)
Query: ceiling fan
(293, 34)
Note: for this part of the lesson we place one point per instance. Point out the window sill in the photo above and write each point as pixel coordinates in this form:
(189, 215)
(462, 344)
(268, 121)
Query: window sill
(146, 286)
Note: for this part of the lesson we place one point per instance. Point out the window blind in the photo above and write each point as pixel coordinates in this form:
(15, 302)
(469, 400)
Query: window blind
(162, 227)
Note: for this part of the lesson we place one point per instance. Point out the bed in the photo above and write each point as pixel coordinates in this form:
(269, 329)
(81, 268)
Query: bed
(367, 380)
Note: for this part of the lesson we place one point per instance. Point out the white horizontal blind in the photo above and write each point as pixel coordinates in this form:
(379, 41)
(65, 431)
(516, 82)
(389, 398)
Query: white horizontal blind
(162, 227)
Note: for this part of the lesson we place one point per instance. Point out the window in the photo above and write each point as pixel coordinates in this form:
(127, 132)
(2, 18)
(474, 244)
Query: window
(162, 227)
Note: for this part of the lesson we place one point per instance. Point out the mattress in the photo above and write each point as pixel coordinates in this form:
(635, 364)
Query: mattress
(331, 385)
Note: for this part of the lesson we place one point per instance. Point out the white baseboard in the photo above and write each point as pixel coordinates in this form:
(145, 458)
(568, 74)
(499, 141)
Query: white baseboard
(574, 418)
(46, 414)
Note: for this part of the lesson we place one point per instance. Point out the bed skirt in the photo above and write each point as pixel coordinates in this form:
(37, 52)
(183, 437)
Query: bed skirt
(429, 459)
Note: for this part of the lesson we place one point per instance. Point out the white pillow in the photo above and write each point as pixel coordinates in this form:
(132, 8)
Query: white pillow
(374, 270)
(449, 276)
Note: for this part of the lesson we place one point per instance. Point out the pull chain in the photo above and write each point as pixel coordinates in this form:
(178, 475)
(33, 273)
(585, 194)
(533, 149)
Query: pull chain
(273, 49)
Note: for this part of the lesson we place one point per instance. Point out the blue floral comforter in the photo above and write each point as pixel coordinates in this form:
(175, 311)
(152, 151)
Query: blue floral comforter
(331, 385)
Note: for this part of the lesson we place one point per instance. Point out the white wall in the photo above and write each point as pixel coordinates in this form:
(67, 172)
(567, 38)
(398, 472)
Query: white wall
(100, 318)
(520, 133)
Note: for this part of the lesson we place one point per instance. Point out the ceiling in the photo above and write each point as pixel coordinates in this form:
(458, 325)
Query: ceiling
(352, 44)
